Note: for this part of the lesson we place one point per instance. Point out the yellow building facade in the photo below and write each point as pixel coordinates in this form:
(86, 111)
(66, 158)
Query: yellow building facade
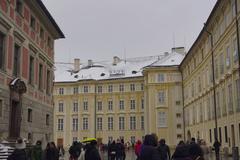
(211, 79)
(115, 100)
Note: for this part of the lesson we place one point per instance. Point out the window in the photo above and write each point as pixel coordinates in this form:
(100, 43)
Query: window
(161, 97)
(75, 90)
(31, 70)
(132, 87)
(41, 33)
(142, 122)
(121, 87)
(99, 105)
(110, 123)
(40, 76)
(47, 119)
(160, 77)
(121, 105)
(179, 126)
(99, 89)
(16, 63)
(85, 89)
(32, 22)
(221, 63)
(179, 136)
(85, 105)
(1, 107)
(132, 104)
(110, 88)
(226, 134)
(75, 106)
(110, 105)
(132, 123)
(228, 58)
(19, 6)
(238, 95)
(61, 91)
(49, 42)
(220, 134)
(142, 86)
(2, 51)
(210, 135)
(235, 53)
(178, 115)
(218, 105)
(224, 109)
(49, 87)
(75, 124)
(121, 123)
(162, 119)
(60, 124)
(85, 123)
(29, 115)
(142, 103)
(60, 106)
(230, 99)
(99, 123)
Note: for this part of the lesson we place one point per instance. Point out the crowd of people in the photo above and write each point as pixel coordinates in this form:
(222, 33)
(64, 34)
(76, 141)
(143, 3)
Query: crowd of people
(51, 152)
(149, 149)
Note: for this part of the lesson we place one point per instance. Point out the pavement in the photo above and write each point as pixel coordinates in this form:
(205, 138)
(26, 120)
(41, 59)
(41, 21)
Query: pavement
(130, 155)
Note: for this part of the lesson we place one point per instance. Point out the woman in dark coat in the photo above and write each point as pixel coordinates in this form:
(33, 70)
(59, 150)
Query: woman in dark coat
(112, 150)
(91, 151)
(51, 152)
(148, 149)
(19, 153)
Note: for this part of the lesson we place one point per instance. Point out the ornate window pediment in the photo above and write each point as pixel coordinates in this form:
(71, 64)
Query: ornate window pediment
(18, 86)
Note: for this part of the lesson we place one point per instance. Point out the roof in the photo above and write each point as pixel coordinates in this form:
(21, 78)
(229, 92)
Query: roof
(47, 13)
(105, 70)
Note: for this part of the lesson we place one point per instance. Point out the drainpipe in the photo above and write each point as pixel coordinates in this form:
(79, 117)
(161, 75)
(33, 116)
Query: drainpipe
(214, 85)
(184, 124)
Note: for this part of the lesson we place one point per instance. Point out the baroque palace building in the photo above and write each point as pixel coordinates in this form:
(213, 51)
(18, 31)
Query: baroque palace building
(172, 95)
(211, 78)
(27, 34)
(126, 99)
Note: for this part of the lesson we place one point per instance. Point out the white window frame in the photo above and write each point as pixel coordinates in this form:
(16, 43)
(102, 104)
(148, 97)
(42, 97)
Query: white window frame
(132, 123)
(110, 123)
(161, 97)
(160, 77)
(75, 124)
(60, 106)
(60, 124)
(99, 123)
(121, 123)
(162, 119)
(85, 123)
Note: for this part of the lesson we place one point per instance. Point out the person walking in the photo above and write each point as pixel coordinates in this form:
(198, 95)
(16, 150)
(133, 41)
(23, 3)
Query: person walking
(19, 153)
(164, 150)
(51, 152)
(91, 151)
(119, 150)
(217, 146)
(74, 151)
(124, 149)
(112, 150)
(148, 149)
(181, 152)
(37, 152)
(137, 149)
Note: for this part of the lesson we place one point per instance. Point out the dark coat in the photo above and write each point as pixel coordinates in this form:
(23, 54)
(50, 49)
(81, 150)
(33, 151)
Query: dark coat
(164, 152)
(51, 154)
(149, 152)
(181, 153)
(36, 153)
(18, 154)
(120, 150)
(91, 153)
(75, 150)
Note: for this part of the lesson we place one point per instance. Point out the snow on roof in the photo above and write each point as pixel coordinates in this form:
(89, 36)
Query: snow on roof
(131, 67)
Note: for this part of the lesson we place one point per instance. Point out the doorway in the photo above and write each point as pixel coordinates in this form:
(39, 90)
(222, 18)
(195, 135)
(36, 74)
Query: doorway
(233, 135)
(60, 142)
(15, 114)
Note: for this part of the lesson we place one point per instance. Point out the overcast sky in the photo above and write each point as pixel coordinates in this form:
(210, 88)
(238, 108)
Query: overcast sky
(101, 29)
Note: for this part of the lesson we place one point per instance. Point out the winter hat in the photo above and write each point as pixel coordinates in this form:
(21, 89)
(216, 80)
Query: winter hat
(20, 144)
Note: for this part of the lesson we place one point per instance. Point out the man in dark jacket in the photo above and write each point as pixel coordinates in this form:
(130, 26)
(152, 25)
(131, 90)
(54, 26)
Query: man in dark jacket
(164, 150)
(75, 150)
(91, 151)
(148, 149)
(19, 153)
(119, 150)
(37, 152)
(217, 146)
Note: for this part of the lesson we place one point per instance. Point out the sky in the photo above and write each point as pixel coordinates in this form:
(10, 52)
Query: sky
(101, 29)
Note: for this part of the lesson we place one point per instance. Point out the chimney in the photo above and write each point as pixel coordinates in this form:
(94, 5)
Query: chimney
(180, 50)
(90, 63)
(116, 60)
(76, 64)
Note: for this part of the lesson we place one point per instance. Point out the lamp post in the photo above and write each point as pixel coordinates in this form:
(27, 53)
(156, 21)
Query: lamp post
(214, 85)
